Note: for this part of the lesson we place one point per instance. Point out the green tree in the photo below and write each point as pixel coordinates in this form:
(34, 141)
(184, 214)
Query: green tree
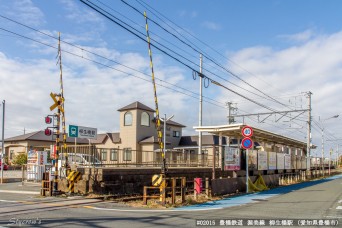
(20, 159)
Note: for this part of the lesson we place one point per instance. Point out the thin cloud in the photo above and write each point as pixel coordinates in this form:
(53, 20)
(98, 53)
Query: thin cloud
(81, 15)
(25, 10)
(188, 14)
(298, 37)
(211, 25)
(314, 65)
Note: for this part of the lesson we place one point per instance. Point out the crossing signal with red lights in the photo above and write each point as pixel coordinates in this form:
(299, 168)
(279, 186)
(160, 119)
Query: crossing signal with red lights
(48, 132)
(49, 120)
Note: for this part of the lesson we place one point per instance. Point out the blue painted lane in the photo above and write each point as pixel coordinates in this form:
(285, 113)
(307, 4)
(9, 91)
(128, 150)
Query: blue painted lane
(254, 197)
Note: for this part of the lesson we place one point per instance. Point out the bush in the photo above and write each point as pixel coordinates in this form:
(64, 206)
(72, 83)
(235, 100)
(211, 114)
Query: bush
(20, 159)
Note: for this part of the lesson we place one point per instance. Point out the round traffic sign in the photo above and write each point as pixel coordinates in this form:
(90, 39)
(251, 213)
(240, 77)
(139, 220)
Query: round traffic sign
(246, 143)
(247, 131)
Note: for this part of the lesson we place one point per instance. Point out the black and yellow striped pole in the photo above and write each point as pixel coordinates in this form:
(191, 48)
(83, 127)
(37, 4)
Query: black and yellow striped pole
(159, 131)
(55, 181)
(158, 180)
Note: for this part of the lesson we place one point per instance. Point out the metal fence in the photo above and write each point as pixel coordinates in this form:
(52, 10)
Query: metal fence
(33, 173)
(113, 157)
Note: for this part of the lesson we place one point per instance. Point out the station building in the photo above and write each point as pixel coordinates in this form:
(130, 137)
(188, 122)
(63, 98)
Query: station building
(137, 144)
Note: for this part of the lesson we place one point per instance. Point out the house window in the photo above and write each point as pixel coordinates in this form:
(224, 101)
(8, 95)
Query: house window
(103, 154)
(176, 134)
(114, 154)
(145, 119)
(11, 154)
(127, 154)
(128, 119)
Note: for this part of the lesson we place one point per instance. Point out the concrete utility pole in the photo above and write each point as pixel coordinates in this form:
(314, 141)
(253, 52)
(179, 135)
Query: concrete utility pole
(230, 110)
(200, 108)
(322, 129)
(322, 150)
(308, 150)
(3, 141)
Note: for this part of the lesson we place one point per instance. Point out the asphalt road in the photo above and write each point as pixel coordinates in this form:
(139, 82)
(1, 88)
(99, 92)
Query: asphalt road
(315, 201)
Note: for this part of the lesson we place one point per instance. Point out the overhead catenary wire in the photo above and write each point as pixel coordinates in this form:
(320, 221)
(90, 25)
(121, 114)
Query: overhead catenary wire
(140, 36)
(151, 32)
(97, 55)
(98, 9)
(209, 58)
(104, 65)
(144, 4)
(205, 77)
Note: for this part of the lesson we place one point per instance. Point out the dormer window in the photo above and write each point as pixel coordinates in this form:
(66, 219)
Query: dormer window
(128, 119)
(145, 119)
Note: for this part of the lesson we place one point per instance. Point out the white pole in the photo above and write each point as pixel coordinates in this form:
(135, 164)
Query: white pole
(3, 141)
(323, 151)
(329, 159)
(246, 171)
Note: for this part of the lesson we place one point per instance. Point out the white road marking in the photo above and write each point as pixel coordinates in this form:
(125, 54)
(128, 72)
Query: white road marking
(147, 211)
(10, 201)
(339, 208)
(20, 192)
(340, 201)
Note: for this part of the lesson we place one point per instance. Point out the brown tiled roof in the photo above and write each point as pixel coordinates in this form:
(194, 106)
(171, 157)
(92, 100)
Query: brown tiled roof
(40, 136)
(114, 137)
(100, 139)
(136, 105)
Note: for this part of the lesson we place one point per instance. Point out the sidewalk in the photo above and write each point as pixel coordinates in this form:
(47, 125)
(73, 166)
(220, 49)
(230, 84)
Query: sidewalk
(17, 187)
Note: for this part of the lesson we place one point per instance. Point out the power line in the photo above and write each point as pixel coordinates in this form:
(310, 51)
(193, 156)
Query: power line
(104, 65)
(98, 9)
(105, 13)
(205, 55)
(103, 57)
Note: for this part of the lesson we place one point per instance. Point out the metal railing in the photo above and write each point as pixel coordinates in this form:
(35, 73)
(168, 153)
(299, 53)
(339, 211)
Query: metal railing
(109, 157)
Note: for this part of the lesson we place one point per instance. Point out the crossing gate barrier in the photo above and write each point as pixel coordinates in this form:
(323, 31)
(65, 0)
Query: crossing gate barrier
(73, 177)
(46, 185)
(159, 181)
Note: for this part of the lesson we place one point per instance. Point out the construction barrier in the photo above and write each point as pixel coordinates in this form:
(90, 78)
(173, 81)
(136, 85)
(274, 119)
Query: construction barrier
(257, 186)
(73, 177)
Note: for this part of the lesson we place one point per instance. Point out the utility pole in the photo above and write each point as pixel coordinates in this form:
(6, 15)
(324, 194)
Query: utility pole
(3, 141)
(322, 150)
(308, 147)
(200, 107)
(230, 110)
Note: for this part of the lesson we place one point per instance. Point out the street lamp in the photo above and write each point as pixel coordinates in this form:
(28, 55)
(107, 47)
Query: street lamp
(322, 129)
(164, 134)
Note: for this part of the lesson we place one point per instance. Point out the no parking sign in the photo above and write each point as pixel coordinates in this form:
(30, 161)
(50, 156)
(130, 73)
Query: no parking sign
(247, 142)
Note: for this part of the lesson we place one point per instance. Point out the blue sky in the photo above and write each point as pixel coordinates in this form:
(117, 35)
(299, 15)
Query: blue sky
(282, 48)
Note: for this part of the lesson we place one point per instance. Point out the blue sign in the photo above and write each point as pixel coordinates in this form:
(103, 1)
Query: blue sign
(247, 143)
(73, 131)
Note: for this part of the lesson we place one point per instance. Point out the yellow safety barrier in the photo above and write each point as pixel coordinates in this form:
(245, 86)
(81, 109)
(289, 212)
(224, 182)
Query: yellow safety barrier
(73, 177)
(157, 179)
(258, 185)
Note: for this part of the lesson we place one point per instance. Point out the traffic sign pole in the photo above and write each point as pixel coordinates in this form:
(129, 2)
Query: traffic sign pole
(247, 144)
(247, 175)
